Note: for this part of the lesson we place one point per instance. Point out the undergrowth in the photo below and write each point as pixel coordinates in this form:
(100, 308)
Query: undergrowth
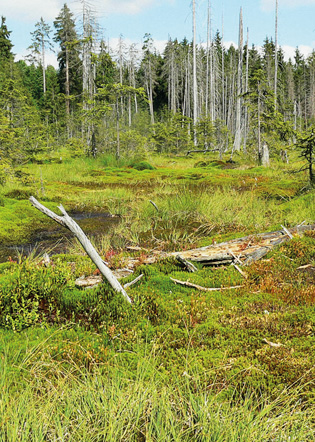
(193, 204)
(178, 364)
(226, 334)
(52, 401)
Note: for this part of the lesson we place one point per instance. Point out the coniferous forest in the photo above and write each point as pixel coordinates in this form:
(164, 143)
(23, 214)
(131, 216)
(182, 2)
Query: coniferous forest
(220, 99)
(191, 174)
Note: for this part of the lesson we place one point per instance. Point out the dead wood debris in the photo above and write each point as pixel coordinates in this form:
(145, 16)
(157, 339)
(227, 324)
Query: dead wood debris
(89, 282)
(188, 265)
(129, 284)
(66, 221)
(272, 344)
(204, 289)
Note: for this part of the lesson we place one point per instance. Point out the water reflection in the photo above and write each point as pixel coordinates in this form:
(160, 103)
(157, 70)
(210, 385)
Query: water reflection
(56, 239)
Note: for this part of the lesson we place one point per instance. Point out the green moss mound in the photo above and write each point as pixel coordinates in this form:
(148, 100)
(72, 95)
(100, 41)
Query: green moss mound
(142, 165)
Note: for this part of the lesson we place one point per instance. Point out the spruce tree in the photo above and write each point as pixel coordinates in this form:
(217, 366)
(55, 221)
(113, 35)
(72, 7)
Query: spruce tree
(5, 42)
(40, 43)
(68, 55)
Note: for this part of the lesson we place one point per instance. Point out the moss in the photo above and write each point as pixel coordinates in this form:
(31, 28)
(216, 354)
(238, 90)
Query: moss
(142, 165)
(220, 335)
(19, 194)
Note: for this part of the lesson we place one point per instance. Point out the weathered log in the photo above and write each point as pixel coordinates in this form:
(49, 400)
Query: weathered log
(272, 344)
(242, 250)
(215, 263)
(69, 223)
(88, 282)
(287, 232)
(92, 281)
(256, 255)
(236, 258)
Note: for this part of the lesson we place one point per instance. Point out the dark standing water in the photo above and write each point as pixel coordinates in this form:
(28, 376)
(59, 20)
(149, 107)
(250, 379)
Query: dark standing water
(56, 239)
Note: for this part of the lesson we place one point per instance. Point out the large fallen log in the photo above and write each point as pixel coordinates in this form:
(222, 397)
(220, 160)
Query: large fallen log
(241, 251)
(246, 250)
(69, 223)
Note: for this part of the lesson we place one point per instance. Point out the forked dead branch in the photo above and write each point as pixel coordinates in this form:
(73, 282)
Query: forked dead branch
(69, 223)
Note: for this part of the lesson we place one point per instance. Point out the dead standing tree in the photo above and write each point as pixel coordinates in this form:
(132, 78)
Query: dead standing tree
(69, 223)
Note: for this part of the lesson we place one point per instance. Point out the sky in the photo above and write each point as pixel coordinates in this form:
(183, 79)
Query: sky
(165, 19)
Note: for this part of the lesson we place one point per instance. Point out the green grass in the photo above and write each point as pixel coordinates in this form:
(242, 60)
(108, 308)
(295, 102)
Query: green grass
(180, 364)
(46, 399)
(225, 332)
(194, 202)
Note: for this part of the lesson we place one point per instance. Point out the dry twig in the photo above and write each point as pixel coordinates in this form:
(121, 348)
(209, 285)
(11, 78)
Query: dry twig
(204, 289)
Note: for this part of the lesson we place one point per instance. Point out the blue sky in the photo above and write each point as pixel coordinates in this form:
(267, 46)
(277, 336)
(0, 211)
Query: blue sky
(173, 18)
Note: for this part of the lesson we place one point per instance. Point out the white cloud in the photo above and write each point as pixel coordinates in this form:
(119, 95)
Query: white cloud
(269, 5)
(32, 11)
(289, 51)
(227, 44)
(126, 6)
(27, 11)
(50, 58)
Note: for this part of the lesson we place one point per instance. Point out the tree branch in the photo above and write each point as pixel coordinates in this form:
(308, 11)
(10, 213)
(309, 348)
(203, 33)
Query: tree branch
(69, 223)
(204, 289)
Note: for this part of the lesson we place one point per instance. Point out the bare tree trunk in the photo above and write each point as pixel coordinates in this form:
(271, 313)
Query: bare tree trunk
(85, 51)
(265, 155)
(276, 56)
(132, 58)
(212, 76)
(86, 68)
(246, 90)
(208, 57)
(259, 126)
(44, 65)
(223, 78)
(195, 87)
(69, 223)
(118, 131)
(237, 140)
(121, 66)
(67, 83)
(150, 93)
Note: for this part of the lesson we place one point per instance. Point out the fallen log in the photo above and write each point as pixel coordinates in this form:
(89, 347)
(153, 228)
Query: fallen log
(272, 344)
(243, 250)
(88, 282)
(69, 223)
(240, 251)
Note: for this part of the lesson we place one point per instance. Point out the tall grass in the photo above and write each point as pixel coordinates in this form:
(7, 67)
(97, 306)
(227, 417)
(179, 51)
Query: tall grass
(194, 203)
(46, 400)
(186, 215)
